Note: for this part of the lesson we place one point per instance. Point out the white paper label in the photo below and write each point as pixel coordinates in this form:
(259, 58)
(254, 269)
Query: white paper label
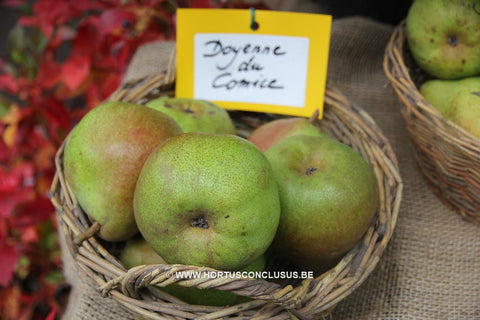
(264, 69)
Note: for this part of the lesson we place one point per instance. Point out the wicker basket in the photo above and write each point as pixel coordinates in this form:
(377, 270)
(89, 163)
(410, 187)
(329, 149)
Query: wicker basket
(448, 156)
(137, 289)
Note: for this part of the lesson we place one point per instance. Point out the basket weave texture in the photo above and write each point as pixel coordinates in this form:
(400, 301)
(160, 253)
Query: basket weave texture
(448, 155)
(137, 289)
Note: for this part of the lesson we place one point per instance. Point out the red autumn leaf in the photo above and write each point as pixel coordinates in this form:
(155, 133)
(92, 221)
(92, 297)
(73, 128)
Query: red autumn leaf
(62, 34)
(13, 3)
(111, 84)
(16, 177)
(114, 20)
(56, 116)
(10, 302)
(15, 187)
(201, 4)
(49, 13)
(3, 230)
(8, 182)
(52, 315)
(83, 6)
(29, 235)
(33, 212)
(32, 21)
(5, 151)
(94, 95)
(87, 39)
(8, 260)
(48, 72)
(31, 136)
(44, 157)
(8, 83)
(8, 202)
(121, 51)
(75, 70)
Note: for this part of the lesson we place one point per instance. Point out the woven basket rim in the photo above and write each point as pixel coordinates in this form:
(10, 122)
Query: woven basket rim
(307, 300)
(448, 155)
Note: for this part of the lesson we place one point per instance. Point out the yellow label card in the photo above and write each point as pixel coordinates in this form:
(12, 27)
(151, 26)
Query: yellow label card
(253, 60)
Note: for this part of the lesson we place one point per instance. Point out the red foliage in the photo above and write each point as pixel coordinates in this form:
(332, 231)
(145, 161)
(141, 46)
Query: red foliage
(68, 56)
(7, 264)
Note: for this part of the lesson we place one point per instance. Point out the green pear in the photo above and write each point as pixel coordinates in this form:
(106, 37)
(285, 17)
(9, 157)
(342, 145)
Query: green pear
(465, 111)
(457, 100)
(195, 114)
(328, 196)
(207, 200)
(103, 157)
(274, 131)
(440, 93)
(138, 252)
(444, 37)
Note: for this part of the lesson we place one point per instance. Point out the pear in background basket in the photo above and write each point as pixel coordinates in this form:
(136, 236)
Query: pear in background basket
(444, 37)
(457, 100)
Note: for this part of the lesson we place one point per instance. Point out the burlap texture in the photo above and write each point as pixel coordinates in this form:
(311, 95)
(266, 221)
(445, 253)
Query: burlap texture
(431, 268)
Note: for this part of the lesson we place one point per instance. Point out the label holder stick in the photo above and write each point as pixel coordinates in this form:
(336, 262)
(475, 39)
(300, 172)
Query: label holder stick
(253, 24)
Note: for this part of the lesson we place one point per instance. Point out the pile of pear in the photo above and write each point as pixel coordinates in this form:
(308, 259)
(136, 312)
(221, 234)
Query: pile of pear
(174, 183)
(444, 40)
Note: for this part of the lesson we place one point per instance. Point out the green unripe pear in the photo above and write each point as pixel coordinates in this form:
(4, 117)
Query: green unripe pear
(328, 196)
(103, 158)
(440, 93)
(457, 100)
(137, 252)
(444, 37)
(465, 111)
(207, 200)
(195, 115)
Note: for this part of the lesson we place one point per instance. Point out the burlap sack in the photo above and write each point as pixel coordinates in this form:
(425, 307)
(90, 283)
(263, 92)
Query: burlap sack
(431, 268)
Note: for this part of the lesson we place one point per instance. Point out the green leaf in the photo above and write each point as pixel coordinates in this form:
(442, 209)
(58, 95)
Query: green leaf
(4, 108)
(48, 236)
(54, 277)
(23, 267)
(16, 39)
(38, 41)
